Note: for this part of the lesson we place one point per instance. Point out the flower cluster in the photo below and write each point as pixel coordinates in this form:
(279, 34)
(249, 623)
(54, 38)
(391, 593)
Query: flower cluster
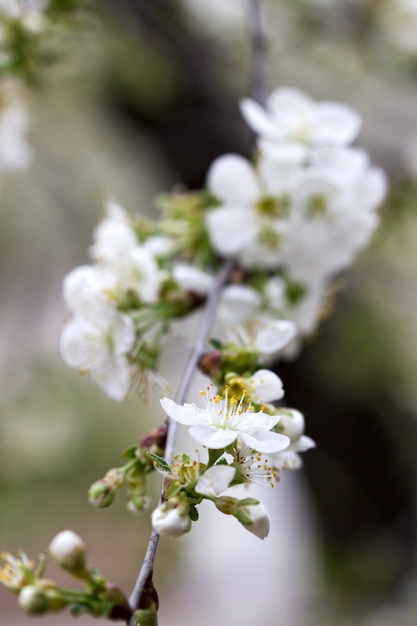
(244, 446)
(121, 305)
(38, 595)
(291, 220)
(305, 206)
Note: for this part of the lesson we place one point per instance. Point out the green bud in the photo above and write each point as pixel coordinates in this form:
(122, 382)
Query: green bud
(227, 505)
(103, 491)
(101, 494)
(146, 617)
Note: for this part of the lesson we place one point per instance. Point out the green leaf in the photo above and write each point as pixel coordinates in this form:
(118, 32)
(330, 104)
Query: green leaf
(159, 461)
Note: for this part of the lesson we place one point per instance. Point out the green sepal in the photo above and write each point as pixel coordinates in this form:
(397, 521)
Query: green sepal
(159, 461)
(193, 513)
(130, 453)
(79, 608)
(216, 343)
(172, 490)
(249, 502)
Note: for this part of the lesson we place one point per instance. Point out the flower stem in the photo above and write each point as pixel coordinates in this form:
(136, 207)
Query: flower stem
(259, 46)
(200, 346)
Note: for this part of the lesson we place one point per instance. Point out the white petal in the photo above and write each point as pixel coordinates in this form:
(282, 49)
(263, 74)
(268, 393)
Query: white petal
(238, 303)
(274, 335)
(283, 152)
(265, 441)
(265, 386)
(192, 279)
(261, 521)
(113, 375)
(258, 119)
(212, 437)
(122, 333)
(186, 414)
(215, 480)
(231, 229)
(232, 178)
(80, 344)
(292, 422)
(337, 124)
(84, 291)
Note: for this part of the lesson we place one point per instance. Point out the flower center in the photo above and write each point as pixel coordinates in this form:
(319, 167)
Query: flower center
(316, 205)
(274, 206)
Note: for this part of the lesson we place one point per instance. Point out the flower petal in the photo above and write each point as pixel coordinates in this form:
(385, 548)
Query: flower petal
(215, 480)
(186, 414)
(232, 178)
(212, 437)
(265, 440)
(265, 386)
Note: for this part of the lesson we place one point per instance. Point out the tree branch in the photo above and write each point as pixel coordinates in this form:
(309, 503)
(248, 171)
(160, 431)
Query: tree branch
(199, 347)
(258, 88)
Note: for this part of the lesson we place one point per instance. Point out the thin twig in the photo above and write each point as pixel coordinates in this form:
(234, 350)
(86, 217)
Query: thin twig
(259, 46)
(189, 372)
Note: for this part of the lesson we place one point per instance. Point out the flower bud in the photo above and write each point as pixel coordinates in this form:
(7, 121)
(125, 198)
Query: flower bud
(146, 617)
(227, 505)
(68, 549)
(33, 600)
(292, 423)
(103, 491)
(254, 518)
(210, 363)
(171, 518)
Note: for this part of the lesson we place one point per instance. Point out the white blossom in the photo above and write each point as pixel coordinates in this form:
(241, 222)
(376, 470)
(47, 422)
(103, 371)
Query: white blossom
(221, 421)
(171, 520)
(101, 348)
(291, 118)
(257, 199)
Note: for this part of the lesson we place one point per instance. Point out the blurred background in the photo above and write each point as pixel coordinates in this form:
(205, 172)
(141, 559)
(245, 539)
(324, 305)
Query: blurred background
(145, 97)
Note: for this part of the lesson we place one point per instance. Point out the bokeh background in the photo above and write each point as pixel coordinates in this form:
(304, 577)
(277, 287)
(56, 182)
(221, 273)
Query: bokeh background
(144, 98)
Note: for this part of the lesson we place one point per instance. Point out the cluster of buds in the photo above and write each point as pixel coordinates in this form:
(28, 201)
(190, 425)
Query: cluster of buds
(133, 475)
(38, 595)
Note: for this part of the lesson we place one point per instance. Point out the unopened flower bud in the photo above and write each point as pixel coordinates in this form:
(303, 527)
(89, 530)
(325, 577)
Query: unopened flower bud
(156, 437)
(227, 505)
(138, 503)
(210, 363)
(146, 617)
(254, 518)
(33, 600)
(103, 491)
(171, 519)
(68, 549)
(292, 423)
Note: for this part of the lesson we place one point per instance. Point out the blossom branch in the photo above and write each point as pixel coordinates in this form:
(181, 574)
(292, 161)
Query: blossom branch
(145, 574)
(259, 46)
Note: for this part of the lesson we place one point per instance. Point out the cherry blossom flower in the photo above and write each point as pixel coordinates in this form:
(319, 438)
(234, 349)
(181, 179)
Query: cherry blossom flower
(222, 420)
(257, 197)
(291, 122)
(17, 571)
(101, 348)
